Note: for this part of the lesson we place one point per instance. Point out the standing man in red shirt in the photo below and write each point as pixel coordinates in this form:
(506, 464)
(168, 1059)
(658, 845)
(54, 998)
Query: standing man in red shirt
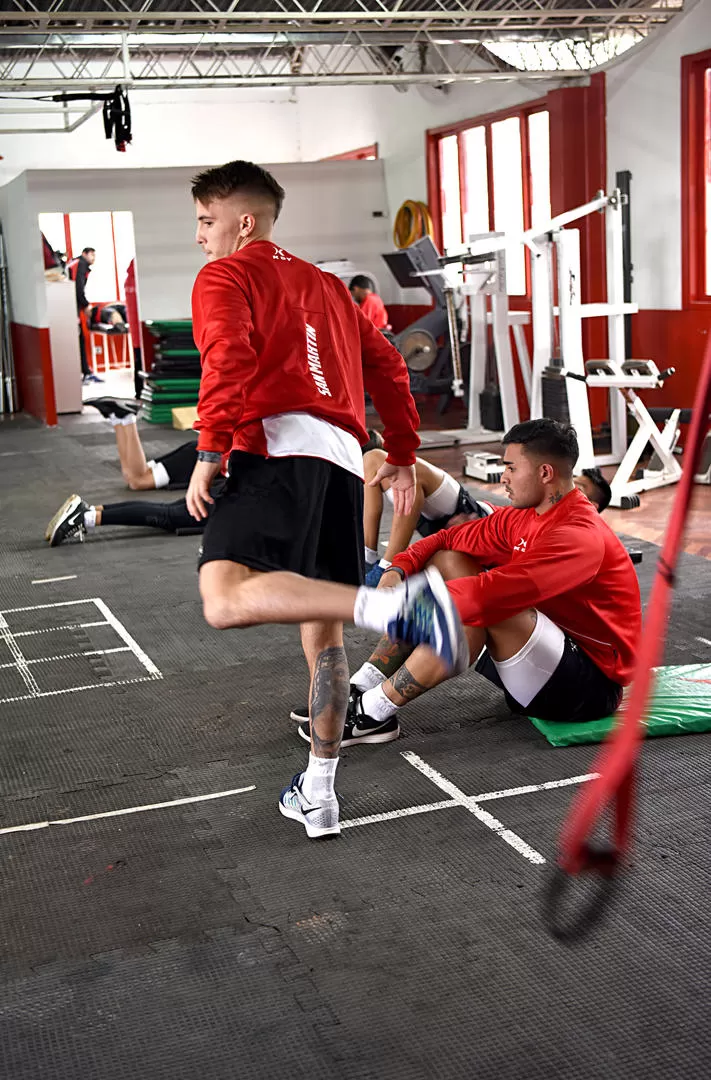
(547, 593)
(361, 289)
(286, 356)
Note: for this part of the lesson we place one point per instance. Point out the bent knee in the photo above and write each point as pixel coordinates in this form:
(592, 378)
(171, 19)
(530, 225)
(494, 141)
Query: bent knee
(223, 615)
(139, 481)
(455, 564)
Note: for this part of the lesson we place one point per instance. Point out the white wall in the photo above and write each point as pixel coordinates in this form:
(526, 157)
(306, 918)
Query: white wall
(328, 214)
(644, 136)
(24, 254)
(184, 128)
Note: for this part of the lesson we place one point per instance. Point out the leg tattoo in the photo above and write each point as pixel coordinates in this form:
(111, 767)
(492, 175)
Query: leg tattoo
(406, 685)
(329, 700)
(389, 655)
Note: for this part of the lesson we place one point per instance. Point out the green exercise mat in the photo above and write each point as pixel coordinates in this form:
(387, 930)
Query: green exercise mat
(681, 704)
(169, 326)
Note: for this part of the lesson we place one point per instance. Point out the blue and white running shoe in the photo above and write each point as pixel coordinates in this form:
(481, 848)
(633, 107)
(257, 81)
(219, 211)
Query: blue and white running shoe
(319, 819)
(428, 616)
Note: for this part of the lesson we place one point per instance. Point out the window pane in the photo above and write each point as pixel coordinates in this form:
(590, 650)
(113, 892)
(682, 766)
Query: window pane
(707, 173)
(449, 173)
(508, 197)
(476, 195)
(539, 153)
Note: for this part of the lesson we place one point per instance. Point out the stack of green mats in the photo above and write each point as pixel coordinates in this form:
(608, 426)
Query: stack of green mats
(174, 379)
(681, 704)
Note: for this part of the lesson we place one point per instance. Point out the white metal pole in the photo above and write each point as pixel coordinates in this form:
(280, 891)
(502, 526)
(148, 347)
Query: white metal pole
(616, 320)
(571, 340)
(541, 321)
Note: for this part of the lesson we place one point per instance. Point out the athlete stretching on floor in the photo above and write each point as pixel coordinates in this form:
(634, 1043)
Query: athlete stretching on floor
(438, 499)
(286, 356)
(544, 588)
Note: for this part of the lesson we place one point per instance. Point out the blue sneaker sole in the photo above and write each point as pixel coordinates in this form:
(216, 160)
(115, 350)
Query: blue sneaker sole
(456, 650)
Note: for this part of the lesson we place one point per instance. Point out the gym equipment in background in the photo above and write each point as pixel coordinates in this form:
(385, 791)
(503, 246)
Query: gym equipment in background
(174, 378)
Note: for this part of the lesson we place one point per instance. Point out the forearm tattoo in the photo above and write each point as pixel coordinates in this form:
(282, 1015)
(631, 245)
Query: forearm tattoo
(388, 656)
(329, 700)
(406, 685)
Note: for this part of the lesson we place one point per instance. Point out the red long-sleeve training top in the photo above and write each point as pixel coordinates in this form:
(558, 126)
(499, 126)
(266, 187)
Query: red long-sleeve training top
(278, 336)
(567, 563)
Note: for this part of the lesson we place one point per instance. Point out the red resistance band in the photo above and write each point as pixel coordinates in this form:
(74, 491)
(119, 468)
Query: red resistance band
(616, 761)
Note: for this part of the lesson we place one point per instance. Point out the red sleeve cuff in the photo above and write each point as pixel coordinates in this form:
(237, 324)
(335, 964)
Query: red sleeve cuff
(218, 442)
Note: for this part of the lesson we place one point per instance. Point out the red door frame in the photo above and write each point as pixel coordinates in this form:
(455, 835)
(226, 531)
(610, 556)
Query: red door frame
(695, 168)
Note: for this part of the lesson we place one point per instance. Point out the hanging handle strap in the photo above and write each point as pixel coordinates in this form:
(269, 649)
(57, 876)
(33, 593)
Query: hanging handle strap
(616, 762)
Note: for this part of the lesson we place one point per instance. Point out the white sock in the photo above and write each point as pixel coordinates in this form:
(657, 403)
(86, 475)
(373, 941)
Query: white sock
(317, 781)
(370, 556)
(375, 608)
(367, 676)
(90, 518)
(377, 704)
(122, 421)
(385, 563)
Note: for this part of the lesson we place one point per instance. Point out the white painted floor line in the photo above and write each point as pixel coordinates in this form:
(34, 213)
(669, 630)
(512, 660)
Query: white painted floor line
(46, 607)
(127, 810)
(391, 815)
(530, 788)
(511, 838)
(49, 580)
(52, 629)
(125, 636)
(704, 640)
(71, 656)
(76, 689)
(20, 661)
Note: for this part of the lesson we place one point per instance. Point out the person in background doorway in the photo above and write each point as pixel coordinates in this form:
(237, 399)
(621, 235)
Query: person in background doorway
(134, 324)
(79, 270)
(361, 289)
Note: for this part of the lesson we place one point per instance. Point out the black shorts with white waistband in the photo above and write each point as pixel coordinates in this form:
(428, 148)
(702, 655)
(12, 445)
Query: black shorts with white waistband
(576, 691)
(466, 504)
(301, 514)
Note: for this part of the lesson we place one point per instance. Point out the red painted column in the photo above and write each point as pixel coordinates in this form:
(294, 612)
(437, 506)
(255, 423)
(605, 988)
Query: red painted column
(578, 150)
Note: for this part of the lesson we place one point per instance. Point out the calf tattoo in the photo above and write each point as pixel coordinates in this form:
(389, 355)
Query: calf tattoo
(406, 685)
(329, 700)
(388, 656)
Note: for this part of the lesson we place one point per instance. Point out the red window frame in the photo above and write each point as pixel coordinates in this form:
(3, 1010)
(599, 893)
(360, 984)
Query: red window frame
(363, 153)
(433, 138)
(695, 168)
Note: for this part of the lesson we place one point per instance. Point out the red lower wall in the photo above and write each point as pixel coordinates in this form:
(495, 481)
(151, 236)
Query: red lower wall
(672, 339)
(33, 368)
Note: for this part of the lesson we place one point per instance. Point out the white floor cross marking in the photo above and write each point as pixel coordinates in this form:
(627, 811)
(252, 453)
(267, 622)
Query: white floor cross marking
(471, 803)
(22, 664)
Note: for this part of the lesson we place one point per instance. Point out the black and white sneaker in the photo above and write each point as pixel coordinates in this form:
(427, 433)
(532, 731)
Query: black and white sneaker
(301, 712)
(109, 407)
(359, 727)
(67, 522)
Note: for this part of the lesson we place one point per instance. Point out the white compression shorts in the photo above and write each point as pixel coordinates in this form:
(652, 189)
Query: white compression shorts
(525, 674)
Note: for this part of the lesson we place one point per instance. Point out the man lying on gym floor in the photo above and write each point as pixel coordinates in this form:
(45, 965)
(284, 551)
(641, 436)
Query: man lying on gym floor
(76, 516)
(439, 498)
(546, 591)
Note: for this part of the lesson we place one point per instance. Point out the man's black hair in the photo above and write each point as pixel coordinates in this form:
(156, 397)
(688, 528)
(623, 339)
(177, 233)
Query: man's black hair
(360, 281)
(375, 441)
(603, 488)
(87, 251)
(551, 440)
(238, 176)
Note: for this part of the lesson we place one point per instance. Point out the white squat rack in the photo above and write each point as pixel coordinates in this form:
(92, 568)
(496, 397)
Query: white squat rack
(554, 244)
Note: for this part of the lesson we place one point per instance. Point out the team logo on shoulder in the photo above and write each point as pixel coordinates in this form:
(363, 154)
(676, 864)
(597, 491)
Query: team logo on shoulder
(521, 545)
(279, 253)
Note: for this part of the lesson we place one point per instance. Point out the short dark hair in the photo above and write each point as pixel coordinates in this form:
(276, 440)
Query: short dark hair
(546, 439)
(86, 251)
(375, 441)
(603, 488)
(360, 281)
(238, 176)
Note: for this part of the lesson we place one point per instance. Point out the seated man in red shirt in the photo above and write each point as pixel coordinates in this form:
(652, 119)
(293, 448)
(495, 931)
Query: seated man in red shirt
(361, 289)
(546, 591)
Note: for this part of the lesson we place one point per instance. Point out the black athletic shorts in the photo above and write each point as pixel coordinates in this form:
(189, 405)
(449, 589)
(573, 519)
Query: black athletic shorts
(301, 514)
(576, 691)
(179, 464)
(465, 505)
